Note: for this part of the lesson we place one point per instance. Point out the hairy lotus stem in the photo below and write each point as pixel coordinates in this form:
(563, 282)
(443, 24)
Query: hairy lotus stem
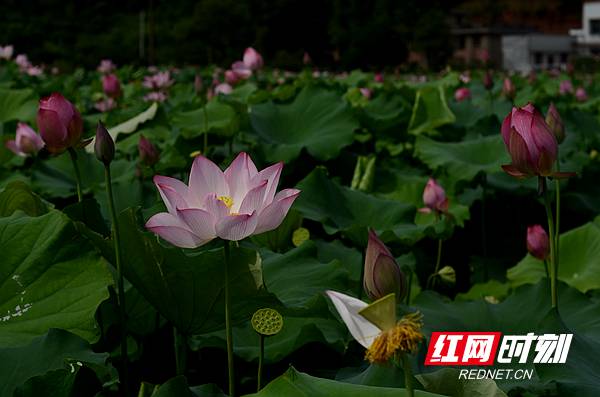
(266, 322)
(120, 283)
(228, 329)
(557, 230)
(180, 352)
(205, 127)
(407, 368)
(261, 358)
(73, 155)
(552, 239)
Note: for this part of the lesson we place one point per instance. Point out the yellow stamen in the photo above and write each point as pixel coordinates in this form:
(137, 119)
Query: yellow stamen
(228, 201)
(404, 337)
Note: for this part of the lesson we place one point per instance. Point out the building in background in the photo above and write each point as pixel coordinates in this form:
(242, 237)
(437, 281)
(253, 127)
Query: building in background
(587, 38)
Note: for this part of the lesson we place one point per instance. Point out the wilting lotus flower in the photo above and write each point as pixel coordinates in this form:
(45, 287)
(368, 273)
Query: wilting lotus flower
(6, 52)
(375, 326)
(434, 198)
(26, 143)
(111, 86)
(581, 95)
(223, 88)
(462, 93)
(366, 92)
(231, 77)
(252, 59)
(555, 123)
(241, 70)
(538, 244)
(508, 88)
(106, 66)
(231, 205)
(382, 275)
(155, 96)
(59, 123)
(149, 154)
(565, 87)
(105, 105)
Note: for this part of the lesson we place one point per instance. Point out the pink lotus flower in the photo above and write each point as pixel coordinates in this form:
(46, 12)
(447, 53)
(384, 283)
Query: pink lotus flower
(34, 71)
(581, 95)
(231, 77)
(155, 96)
(6, 52)
(105, 105)
(462, 93)
(366, 92)
(565, 87)
(379, 77)
(382, 272)
(111, 86)
(106, 66)
(224, 89)
(59, 123)
(22, 61)
(252, 59)
(434, 198)
(26, 143)
(508, 88)
(465, 77)
(148, 153)
(555, 123)
(160, 80)
(232, 205)
(538, 244)
(241, 70)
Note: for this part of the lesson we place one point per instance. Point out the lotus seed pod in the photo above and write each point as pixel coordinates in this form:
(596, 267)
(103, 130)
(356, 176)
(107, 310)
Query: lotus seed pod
(267, 321)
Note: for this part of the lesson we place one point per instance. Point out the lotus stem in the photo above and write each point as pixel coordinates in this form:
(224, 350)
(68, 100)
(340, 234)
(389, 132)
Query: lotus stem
(552, 238)
(73, 155)
(180, 352)
(261, 358)
(407, 368)
(228, 329)
(205, 128)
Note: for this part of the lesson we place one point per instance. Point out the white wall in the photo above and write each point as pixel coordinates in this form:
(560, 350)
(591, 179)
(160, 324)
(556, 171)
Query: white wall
(515, 53)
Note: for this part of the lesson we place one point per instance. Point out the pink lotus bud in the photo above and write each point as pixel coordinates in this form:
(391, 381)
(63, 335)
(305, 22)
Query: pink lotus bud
(241, 70)
(382, 275)
(530, 143)
(104, 146)
(461, 94)
(581, 95)
(379, 77)
(508, 88)
(106, 66)
(565, 87)
(111, 86)
(252, 59)
(26, 143)
(488, 80)
(555, 123)
(306, 58)
(223, 88)
(149, 154)
(434, 198)
(6, 52)
(538, 244)
(231, 77)
(59, 123)
(22, 61)
(366, 92)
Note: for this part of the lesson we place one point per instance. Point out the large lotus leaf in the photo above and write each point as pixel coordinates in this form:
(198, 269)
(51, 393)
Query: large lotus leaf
(430, 110)
(579, 264)
(386, 111)
(188, 289)
(18, 196)
(340, 208)
(215, 118)
(463, 160)
(48, 365)
(447, 382)
(17, 105)
(50, 277)
(298, 384)
(318, 120)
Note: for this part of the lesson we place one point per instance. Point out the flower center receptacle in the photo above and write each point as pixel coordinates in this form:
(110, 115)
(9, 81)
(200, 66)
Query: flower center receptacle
(227, 200)
(404, 337)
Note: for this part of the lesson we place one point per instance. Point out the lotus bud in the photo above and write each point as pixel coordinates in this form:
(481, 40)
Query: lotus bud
(434, 198)
(538, 244)
(252, 59)
(382, 275)
(565, 87)
(59, 122)
(366, 92)
(224, 89)
(148, 153)
(508, 88)
(447, 274)
(379, 77)
(111, 86)
(231, 77)
(104, 146)
(581, 95)
(555, 123)
(461, 94)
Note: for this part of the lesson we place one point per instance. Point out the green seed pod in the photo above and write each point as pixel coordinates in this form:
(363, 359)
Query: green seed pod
(267, 321)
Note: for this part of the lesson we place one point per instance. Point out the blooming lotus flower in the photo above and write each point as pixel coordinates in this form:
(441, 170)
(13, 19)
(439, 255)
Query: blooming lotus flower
(111, 86)
(434, 198)
(581, 95)
(22, 61)
(34, 71)
(232, 205)
(241, 70)
(160, 80)
(155, 96)
(223, 88)
(105, 105)
(26, 143)
(508, 88)
(59, 123)
(252, 59)
(462, 93)
(375, 326)
(565, 87)
(366, 92)
(106, 66)
(538, 244)
(149, 154)
(6, 52)
(231, 77)
(382, 275)
(555, 123)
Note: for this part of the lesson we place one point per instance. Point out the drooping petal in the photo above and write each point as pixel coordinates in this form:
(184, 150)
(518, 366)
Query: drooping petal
(271, 174)
(253, 201)
(173, 193)
(514, 172)
(273, 214)
(205, 178)
(238, 176)
(236, 227)
(362, 330)
(172, 229)
(199, 221)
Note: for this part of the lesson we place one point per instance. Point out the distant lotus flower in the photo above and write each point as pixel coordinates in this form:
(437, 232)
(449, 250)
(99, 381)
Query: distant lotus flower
(148, 153)
(198, 85)
(6, 52)
(530, 143)
(465, 77)
(538, 244)
(241, 70)
(111, 86)
(462, 93)
(382, 274)
(306, 58)
(155, 96)
(105, 105)
(34, 71)
(379, 77)
(581, 95)
(366, 92)
(555, 123)
(231, 77)
(565, 87)
(224, 89)
(434, 198)
(26, 143)
(232, 205)
(488, 80)
(59, 122)
(22, 61)
(106, 66)
(252, 59)
(508, 88)
(160, 80)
